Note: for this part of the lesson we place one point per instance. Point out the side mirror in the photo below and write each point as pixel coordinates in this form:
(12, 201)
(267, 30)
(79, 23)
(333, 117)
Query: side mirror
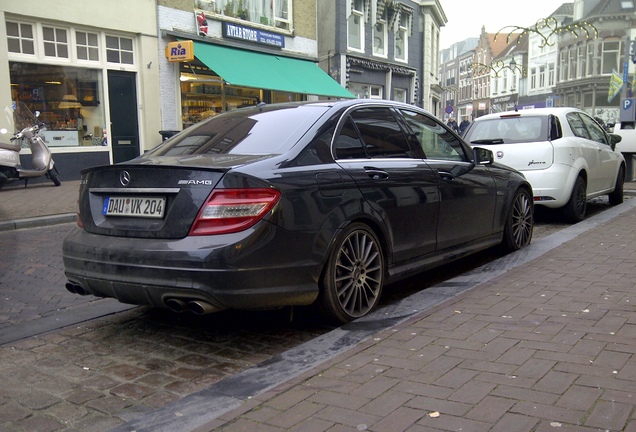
(614, 139)
(482, 156)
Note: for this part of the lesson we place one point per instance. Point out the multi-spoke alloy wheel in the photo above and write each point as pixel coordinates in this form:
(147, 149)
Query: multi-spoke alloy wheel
(352, 281)
(518, 229)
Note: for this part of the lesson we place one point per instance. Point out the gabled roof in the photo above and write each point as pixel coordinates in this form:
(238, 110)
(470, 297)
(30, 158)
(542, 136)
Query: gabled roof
(518, 44)
(566, 9)
(498, 43)
(611, 8)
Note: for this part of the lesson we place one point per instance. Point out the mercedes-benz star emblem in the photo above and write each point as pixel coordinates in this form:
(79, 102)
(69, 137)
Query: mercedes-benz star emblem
(124, 178)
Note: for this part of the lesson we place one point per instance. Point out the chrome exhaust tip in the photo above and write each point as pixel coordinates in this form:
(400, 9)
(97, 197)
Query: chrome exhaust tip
(76, 289)
(199, 307)
(175, 305)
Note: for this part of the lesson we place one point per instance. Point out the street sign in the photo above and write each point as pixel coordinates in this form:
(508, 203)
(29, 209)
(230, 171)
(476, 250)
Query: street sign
(628, 110)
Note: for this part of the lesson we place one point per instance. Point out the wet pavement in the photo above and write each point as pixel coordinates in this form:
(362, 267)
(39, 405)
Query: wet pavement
(543, 339)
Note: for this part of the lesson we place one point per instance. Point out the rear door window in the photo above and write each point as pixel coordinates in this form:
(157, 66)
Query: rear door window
(577, 126)
(379, 132)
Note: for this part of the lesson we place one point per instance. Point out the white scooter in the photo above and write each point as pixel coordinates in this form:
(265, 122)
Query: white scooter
(28, 127)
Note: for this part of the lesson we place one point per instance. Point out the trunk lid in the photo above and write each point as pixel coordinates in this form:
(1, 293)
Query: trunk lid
(527, 156)
(145, 201)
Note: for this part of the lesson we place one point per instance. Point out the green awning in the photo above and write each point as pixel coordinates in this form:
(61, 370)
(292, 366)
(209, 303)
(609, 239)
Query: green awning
(265, 71)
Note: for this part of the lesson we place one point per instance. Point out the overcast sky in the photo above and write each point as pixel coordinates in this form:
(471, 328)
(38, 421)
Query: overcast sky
(466, 17)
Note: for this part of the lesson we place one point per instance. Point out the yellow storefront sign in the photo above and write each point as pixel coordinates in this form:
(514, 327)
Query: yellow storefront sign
(180, 51)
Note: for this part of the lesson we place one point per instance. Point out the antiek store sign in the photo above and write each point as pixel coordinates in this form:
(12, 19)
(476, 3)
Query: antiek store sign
(248, 34)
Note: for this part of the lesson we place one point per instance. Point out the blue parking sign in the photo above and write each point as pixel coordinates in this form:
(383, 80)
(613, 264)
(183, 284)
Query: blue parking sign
(628, 110)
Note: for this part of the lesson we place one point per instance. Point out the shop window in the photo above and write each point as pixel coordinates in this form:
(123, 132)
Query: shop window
(20, 38)
(55, 42)
(119, 50)
(68, 99)
(355, 26)
(87, 46)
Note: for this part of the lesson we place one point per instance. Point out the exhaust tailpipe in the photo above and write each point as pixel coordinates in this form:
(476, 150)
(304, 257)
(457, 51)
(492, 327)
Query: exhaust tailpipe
(201, 308)
(175, 305)
(76, 289)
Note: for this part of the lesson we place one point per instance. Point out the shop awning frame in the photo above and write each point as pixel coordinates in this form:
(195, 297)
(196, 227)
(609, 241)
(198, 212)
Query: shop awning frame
(245, 68)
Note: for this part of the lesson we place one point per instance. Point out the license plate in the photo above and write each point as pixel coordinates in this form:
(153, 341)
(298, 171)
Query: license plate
(134, 206)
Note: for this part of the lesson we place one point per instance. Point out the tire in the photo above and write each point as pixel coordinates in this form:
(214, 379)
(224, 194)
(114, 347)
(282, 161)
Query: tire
(53, 176)
(574, 210)
(616, 197)
(519, 223)
(352, 281)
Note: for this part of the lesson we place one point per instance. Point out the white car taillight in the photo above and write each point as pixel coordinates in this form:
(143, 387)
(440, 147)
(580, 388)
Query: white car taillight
(233, 210)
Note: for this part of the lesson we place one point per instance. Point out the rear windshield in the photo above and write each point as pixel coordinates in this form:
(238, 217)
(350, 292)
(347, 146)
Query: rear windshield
(253, 131)
(507, 130)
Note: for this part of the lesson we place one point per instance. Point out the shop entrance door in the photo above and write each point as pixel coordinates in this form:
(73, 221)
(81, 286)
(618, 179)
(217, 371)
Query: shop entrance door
(124, 124)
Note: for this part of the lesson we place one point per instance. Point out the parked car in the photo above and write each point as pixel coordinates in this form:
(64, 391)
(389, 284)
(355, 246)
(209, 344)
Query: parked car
(291, 204)
(563, 152)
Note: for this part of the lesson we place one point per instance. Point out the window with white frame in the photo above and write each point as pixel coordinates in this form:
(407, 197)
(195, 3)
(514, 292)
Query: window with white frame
(380, 39)
(399, 95)
(581, 70)
(87, 45)
(402, 39)
(376, 92)
(273, 13)
(355, 26)
(551, 74)
(541, 76)
(533, 78)
(563, 65)
(119, 50)
(55, 42)
(611, 56)
(20, 38)
(572, 62)
(590, 59)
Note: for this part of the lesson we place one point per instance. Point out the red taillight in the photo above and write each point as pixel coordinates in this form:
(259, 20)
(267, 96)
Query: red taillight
(232, 210)
(80, 222)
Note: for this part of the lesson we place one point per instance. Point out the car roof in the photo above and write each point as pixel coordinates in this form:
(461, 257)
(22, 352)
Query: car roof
(530, 112)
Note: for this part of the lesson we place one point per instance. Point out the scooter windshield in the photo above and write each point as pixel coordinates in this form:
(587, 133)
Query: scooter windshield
(22, 117)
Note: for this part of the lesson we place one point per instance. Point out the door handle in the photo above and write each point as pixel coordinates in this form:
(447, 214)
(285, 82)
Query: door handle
(376, 174)
(445, 175)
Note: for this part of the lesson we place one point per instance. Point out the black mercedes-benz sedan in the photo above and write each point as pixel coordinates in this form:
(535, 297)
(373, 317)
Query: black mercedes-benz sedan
(291, 204)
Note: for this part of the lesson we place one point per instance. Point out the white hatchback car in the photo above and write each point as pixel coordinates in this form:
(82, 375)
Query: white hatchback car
(563, 152)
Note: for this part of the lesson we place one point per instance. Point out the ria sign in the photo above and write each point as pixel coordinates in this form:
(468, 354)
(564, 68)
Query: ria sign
(180, 51)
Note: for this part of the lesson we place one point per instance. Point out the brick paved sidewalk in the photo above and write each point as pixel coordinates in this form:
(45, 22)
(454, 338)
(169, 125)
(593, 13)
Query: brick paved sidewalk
(38, 204)
(547, 346)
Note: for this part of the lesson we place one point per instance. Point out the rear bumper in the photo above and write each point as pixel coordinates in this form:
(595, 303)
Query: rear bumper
(227, 274)
(551, 187)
